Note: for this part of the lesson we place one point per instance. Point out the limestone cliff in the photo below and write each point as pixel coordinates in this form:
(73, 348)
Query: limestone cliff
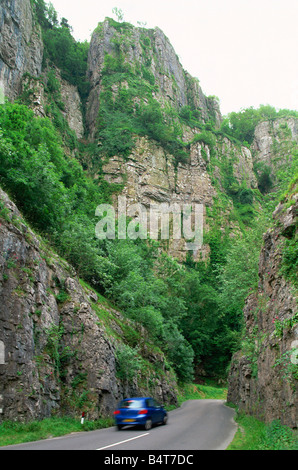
(273, 137)
(263, 376)
(152, 55)
(150, 176)
(65, 101)
(21, 46)
(272, 147)
(21, 65)
(142, 65)
(58, 341)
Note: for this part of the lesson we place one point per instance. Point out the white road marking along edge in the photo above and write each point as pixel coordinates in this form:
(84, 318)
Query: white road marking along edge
(122, 442)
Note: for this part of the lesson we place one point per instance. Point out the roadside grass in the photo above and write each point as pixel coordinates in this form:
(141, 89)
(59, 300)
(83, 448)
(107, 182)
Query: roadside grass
(253, 434)
(16, 433)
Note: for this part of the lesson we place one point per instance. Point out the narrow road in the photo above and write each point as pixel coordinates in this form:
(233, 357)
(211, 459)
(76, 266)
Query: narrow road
(196, 425)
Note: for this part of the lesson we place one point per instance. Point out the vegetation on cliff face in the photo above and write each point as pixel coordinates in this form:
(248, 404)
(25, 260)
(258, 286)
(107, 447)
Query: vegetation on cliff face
(61, 49)
(241, 125)
(193, 311)
(38, 174)
(272, 179)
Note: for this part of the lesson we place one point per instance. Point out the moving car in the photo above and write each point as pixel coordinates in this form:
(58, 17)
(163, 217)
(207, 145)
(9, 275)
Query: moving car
(140, 411)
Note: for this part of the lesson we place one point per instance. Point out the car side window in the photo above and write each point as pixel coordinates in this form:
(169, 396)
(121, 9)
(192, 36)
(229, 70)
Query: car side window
(150, 402)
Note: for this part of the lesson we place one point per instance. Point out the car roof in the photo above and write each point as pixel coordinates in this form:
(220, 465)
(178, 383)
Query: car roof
(135, 398)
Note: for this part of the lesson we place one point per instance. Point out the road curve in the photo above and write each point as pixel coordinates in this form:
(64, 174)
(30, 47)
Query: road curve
(196, 425)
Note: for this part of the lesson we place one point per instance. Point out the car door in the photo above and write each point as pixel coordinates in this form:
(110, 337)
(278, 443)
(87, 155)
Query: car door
(152, 410)
(158, 411)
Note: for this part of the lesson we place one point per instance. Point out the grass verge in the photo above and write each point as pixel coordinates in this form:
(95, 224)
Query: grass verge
(16, 433)
(253, 434)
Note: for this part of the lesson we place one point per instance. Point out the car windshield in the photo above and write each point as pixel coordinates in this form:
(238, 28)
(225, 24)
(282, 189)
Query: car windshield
(131, 404)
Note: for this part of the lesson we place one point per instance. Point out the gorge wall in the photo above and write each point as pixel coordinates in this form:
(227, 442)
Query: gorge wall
(154, 59)
(263, 376)
(151, 173)
(58, 341)
(21, 45)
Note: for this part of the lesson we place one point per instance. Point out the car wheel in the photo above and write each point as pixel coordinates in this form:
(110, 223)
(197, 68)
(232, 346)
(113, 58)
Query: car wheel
(118, 427)
(165, 420)
(148, 424)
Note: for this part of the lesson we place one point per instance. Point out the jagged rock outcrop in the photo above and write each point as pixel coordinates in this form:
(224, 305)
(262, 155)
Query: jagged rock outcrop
(151, 175)
(21, 46)
(273, 144)
(21, 64)
(68, 95)
(263, 378)
(150, 48)
(56, 354)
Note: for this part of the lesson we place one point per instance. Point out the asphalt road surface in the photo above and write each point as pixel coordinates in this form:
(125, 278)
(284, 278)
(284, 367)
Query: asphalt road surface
(196, 425)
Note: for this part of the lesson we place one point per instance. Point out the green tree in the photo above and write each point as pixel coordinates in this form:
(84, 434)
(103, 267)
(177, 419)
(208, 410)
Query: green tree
(128, 363)
(179, 352)
(239, 275)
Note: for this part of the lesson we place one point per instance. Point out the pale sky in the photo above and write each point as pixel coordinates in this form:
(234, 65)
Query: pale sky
(243, 51)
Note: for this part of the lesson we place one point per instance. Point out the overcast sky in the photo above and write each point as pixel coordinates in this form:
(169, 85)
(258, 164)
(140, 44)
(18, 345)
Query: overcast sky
(243, 51)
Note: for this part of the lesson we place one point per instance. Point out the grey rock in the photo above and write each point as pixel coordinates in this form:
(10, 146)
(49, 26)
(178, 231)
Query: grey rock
(263, 382)
(21, 46)
(55, 356)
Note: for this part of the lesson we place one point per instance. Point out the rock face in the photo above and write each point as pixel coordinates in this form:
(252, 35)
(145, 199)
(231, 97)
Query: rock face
(21, 46)
(68, 96)
(73, 108)
(150, 178)
(273, 144)
(152, 49)
(150, 175)
(21, 58)
(56, 354)
(263, 378)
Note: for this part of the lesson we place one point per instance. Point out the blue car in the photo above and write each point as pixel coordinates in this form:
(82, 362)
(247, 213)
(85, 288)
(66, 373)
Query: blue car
(140, 411)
